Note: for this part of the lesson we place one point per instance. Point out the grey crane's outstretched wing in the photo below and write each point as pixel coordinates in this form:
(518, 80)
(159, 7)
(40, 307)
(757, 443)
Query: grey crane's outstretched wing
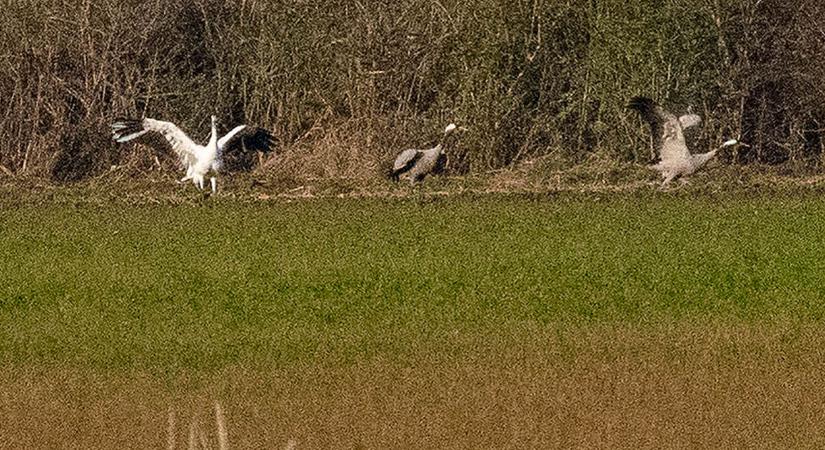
(665, 127)
(689, 120)
(245, 138)
(125, 130)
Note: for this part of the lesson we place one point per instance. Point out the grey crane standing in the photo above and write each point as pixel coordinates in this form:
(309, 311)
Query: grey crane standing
(675, 159)
(420, 163)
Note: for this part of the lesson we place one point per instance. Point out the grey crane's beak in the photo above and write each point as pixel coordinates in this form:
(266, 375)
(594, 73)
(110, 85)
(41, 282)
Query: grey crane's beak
(732, 142)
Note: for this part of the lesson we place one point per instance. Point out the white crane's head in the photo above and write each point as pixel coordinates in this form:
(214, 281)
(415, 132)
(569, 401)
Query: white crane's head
(729, 142)
(450, 128)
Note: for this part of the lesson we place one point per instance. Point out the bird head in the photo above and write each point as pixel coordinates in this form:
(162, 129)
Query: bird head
(733, 142)
(730, 144)
(450, 128)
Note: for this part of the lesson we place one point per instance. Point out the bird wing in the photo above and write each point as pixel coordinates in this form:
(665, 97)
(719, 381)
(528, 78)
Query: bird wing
(245, 137)
(673, 146)
(125, 130)
(689, 120)
(665, 127)
(405, 160)
(429, 159)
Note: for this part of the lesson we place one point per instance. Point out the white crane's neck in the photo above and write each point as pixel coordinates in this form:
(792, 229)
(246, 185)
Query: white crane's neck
(213, 138)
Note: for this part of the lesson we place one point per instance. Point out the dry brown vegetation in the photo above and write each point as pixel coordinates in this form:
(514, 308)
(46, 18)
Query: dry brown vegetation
(343, 84)
(683, 385)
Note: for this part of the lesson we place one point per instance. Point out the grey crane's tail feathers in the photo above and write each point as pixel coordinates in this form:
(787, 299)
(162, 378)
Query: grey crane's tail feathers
(392, 174)
(124, 130)
(393, 171)
(402, 163)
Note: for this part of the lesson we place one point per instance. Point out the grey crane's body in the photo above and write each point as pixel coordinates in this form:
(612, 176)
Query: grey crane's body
(199, 160)
(420, 163)
(675, 160)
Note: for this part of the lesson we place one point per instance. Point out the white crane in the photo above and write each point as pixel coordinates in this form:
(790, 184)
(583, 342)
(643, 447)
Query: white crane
(420, 163)
(675, 159)
(197, 159)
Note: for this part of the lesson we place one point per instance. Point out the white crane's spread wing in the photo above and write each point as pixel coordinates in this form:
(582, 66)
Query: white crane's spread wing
(689, 120)
(125, 130)
(405, 159)
(229, 136)
(247, 138)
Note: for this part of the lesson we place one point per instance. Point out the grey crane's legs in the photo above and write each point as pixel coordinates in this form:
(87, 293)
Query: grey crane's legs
(418, 192)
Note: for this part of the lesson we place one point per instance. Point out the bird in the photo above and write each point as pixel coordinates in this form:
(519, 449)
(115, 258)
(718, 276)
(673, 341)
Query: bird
(198, 160)
(420, 163)
(675, 160)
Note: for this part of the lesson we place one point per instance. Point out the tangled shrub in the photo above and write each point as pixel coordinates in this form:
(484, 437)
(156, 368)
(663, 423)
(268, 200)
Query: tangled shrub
(528, 77)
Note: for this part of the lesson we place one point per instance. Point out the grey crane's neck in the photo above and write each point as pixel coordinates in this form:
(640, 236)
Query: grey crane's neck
(702, 158)
(441, 143)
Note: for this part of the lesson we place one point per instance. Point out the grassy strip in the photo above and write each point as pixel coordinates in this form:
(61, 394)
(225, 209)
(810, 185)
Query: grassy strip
(164, 288)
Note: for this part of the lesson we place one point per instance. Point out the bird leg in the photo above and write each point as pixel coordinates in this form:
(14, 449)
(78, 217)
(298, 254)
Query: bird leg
(188, 176)
(418, 189)
(667, 181)
(214, 182)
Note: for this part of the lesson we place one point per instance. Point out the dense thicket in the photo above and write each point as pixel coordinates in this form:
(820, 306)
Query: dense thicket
(343, 83)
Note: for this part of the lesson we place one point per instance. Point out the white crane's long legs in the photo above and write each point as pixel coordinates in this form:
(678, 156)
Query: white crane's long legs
(188, 176)
(214, 182)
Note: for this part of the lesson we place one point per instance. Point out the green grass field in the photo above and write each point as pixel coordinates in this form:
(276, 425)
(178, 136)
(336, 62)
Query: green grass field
(163, 288)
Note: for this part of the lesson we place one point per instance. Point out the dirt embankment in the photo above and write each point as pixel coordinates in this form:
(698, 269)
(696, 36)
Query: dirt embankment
(689, 385)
